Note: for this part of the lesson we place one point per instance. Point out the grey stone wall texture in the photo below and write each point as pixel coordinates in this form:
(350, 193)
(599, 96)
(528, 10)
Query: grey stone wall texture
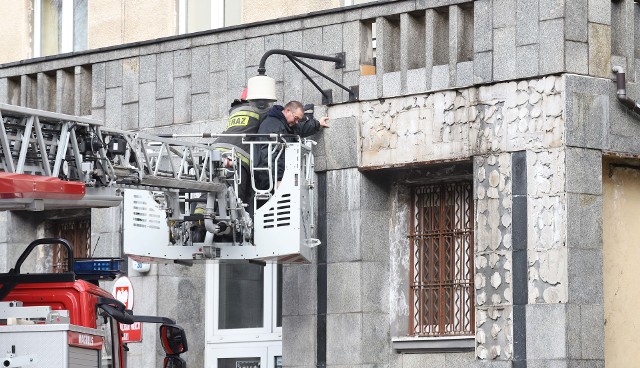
(484, 81)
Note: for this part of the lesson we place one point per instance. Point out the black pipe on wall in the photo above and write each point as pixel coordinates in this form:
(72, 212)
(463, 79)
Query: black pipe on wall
(622, 92)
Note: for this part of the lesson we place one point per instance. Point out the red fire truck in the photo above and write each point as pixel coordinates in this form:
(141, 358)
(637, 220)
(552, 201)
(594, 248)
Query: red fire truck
(64, 320)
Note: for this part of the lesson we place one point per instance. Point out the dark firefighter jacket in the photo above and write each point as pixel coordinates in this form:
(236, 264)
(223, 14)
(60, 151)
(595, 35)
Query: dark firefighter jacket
(243, 119)
(276, 123)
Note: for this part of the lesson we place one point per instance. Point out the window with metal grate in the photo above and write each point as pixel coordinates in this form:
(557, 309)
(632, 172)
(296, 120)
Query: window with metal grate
(441, 276)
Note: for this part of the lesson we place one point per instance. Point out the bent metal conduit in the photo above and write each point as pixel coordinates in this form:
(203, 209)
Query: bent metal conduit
(622, 92)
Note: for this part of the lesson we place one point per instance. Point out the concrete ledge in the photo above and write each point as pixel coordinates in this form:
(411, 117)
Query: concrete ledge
(433, 344)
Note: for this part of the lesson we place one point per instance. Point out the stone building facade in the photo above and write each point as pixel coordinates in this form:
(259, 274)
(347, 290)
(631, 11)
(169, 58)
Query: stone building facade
(508, 104)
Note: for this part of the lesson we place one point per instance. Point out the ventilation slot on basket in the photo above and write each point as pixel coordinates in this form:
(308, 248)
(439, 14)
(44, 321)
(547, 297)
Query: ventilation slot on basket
(143, 215)
(280, 215)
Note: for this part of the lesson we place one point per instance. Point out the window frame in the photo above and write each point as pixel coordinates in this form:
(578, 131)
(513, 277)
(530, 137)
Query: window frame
(458, 234)
(66, 27)
(216, 17)
(268, 332)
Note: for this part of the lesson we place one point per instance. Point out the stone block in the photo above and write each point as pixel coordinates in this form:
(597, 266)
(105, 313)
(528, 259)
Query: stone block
(416, 80)
(577, 20)
(587, 119)
(307, 289)
(552, 46)
(200, 69)
(482, 26)
(464, 74)
(546, 363)
(344, 291)
(577, 57)
(46, 94)
(391, 84)
(182, 100)
(147, 68)
(65, 93)
(592, 331)
(4, 90)
(583, 171)
(368, 87)
(114, 74)
(236, 76)
(586, 364)
(599, 50)
(574, 334)
(300, 336)
(147, 105)
(113, 108)
(275, 63)
(130, 80)
(376, 339)
(349, 79)
(585, 287)
(459, 360)
(504, 14)
(527, 22)
(130, 116)
(332, 40)
(343, 138)
(164, 112)
(440, 77)
(339, 199)
(600, 11)
(343, 244)
(218, 57)
(97, 114)
(218, 95)
(388, 9)
(106, 244)
(181, 63)
(375, 194)
(551, 9)
(527, 61)
(356, 40)
(98, 82)
(344, 339)
(290, 298)
(545, 323)
(310, 93)
(483, 67)
(254, 49)
(424, 360)
(312, 42)
(200, 107)
(375, 288)
(164, 75)
(175, 270)
(504, 53)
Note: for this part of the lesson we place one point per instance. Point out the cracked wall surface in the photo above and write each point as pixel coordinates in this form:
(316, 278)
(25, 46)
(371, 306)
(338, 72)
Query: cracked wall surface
(463, 123)
(489, 124)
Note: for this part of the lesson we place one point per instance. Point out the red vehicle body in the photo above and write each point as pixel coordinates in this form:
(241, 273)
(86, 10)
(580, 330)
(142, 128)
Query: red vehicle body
(87, 306)
(79, 297)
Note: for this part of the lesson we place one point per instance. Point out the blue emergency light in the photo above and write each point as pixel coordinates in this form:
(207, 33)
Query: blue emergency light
(97, 268)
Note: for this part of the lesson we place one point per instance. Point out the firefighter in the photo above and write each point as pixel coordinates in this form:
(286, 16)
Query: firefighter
(244, 118)
(292, 118)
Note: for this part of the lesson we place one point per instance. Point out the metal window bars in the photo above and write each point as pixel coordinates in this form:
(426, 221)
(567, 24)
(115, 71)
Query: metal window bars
(441, 276)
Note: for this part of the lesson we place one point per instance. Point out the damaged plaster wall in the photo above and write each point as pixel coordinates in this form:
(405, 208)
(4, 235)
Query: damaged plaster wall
(458, 124)
(487, 124)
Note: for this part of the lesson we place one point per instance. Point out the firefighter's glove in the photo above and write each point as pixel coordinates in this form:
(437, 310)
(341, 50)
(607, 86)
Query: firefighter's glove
(308, 111)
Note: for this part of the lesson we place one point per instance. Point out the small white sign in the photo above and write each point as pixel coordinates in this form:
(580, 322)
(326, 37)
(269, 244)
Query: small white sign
(123, 291)
(140, 267)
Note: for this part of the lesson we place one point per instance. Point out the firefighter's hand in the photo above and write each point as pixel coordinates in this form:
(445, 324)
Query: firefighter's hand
(323, 122)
